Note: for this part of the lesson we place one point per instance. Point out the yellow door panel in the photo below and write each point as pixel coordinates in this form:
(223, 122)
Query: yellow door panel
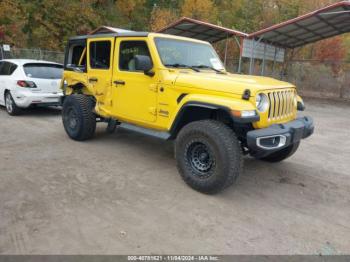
(134, 93)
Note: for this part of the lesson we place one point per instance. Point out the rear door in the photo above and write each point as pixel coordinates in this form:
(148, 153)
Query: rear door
(47, 77)
(100, 55)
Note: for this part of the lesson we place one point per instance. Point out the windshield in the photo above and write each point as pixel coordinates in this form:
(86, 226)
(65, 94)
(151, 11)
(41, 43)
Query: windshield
(183, 53)
(44, 71)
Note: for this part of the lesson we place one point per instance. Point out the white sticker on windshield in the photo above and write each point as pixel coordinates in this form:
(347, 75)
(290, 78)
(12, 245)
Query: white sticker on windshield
(216, 63)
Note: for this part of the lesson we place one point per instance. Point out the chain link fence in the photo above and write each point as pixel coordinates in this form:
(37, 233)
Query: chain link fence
(329, 79)
(313, 78)
(38, 54)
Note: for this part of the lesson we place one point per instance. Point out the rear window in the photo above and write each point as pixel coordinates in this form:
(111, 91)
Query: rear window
(44, 71)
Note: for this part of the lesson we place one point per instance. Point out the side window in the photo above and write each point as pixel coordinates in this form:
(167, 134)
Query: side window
(128, 51)
(7, 68)
(12, 68)
(100, 54)
(1, 66)
(76, 54)
(83, 60)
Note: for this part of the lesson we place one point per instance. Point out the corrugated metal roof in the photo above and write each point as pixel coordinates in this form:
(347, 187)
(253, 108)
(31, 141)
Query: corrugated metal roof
(192, 28)
(323, 23)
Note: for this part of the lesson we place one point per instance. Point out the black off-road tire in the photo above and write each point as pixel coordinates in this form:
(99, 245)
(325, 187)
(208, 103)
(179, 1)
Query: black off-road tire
(78, 117)
(220, 143)
(11, 108)
(282, 154)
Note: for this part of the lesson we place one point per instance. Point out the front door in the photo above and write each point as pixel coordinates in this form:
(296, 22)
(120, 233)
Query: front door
(134, 92)
(100, 56)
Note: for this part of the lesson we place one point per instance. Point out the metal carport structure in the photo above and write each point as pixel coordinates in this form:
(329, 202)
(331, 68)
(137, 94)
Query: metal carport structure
(309, 28)
(192, 28)
(323, 23)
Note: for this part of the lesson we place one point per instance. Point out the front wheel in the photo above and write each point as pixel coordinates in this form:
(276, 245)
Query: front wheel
(282, 154)
(209, 156)
(78, 117)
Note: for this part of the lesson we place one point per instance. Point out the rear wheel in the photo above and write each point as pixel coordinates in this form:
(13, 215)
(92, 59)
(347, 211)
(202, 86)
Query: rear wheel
(282, 154)
(11, 107)
(208, 155)
(78, 117)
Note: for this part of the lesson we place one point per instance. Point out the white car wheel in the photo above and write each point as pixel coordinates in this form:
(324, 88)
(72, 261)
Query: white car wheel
(11, 106)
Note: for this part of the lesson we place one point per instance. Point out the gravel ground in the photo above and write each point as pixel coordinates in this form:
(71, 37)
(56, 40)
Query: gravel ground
(121, 194)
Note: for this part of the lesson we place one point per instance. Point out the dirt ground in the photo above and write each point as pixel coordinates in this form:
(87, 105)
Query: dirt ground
(121, 194)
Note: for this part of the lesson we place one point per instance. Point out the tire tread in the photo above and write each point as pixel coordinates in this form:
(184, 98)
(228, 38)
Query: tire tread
(87, 116)
(228, 139)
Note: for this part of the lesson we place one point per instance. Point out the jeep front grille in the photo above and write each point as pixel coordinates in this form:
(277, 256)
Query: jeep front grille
(281, 104)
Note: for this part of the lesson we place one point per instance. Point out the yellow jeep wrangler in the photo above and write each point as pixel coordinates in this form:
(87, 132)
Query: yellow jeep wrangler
(177, 88)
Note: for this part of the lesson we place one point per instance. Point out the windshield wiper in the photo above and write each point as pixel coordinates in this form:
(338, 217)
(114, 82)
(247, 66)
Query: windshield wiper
(183, 66)
(209, 67)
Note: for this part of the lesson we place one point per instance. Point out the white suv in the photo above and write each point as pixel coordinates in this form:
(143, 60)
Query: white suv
(24, 83)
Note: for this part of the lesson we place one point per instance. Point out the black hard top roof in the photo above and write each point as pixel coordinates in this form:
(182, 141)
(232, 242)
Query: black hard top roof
(189, 27)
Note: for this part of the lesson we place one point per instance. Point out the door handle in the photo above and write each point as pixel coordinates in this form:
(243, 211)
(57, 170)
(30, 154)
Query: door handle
(119, 82)
(93, 79)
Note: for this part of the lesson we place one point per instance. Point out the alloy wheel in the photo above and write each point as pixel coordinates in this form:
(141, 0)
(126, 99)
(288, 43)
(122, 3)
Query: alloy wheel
(9, 103)
(201, 158)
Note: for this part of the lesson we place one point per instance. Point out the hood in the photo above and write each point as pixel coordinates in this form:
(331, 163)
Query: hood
(228, 83)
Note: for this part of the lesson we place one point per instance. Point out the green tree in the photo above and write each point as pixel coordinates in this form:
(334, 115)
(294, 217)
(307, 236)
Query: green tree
(199, 9)
(11, 23)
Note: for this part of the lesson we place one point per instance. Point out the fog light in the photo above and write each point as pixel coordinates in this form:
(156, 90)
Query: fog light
(271, 142)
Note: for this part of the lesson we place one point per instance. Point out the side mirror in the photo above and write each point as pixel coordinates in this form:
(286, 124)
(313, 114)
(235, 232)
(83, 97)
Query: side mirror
(144, 63)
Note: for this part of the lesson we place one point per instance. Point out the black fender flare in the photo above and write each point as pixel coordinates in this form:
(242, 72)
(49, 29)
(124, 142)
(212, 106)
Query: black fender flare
(177, 123)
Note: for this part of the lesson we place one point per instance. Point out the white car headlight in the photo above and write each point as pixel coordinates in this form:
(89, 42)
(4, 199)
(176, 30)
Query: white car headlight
(262, 102)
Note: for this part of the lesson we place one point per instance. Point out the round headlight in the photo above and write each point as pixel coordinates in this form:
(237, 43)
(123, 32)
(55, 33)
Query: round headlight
(262, 102)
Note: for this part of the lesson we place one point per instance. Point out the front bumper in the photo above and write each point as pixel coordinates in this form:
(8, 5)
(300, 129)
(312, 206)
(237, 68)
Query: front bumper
(262, 142)
(26, 99)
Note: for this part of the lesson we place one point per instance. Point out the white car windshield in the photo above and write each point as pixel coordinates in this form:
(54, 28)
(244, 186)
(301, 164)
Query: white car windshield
(43, 71)
(182, 53)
